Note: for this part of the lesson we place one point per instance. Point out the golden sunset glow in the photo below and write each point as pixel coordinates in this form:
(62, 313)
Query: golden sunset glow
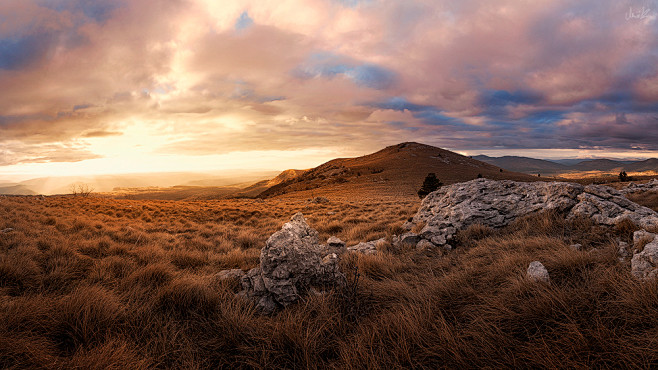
(112, 86)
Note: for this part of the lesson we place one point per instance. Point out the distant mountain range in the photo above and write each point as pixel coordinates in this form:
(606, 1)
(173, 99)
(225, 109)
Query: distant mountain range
(548, 167)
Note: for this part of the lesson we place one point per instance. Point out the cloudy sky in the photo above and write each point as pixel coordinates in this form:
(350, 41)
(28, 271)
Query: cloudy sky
(107, 86)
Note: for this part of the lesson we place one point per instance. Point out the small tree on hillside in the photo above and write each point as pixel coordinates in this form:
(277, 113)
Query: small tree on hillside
(623, 176)
(430, 184)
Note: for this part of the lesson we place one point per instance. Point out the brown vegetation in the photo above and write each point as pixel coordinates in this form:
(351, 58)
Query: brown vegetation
(101, 283)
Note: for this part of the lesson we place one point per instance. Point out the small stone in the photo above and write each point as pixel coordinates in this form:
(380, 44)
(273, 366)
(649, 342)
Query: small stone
(537, 272)
(231, 274)
(409, 238)
(408, 225)
(367, 248)
(318, 200)
(335, 242)
(623, 251)
(576, 247)
(7, 230)
(425, 245)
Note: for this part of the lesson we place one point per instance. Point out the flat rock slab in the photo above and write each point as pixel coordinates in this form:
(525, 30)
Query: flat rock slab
(498, 203)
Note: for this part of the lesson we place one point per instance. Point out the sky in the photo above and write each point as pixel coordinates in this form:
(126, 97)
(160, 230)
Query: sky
(114, 86)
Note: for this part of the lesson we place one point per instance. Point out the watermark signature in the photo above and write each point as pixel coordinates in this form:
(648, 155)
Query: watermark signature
(638, 13)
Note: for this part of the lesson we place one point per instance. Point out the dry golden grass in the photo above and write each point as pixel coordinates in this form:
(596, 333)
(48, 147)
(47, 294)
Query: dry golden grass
(101, 283)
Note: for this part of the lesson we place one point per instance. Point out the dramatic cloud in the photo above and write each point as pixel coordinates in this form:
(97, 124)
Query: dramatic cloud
(85, 79)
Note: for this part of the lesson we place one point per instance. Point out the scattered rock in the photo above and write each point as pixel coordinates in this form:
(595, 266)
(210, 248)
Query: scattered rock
(425, 245)
(291, 262)
(230, 274)
(644, 263)
(576, 247)
(319, 200)
(407, 238)
(537, 272)
(368, 248)
(633, 187)
(335, 245)
(408, 225)
(623, 251)
(335, 242)
(7, 230)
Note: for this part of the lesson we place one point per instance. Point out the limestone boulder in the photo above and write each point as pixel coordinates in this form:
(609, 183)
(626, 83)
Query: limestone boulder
(497, 203)
(291, 263)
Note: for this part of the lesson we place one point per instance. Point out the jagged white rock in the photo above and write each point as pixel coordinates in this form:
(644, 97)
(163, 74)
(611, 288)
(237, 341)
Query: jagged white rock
(291, 262)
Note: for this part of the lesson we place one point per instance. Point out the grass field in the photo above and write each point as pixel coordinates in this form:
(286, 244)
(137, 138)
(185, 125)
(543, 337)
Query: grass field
(104, 283)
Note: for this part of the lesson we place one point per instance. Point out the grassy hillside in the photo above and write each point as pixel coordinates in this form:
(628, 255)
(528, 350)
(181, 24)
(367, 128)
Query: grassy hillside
(397, 172)
(102, 283)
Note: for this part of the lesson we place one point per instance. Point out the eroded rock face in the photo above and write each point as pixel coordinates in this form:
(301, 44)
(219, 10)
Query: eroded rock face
(607, 206)
(488, 202)
(292, 262)
(644, 264)
(497, 203)
(633, 187)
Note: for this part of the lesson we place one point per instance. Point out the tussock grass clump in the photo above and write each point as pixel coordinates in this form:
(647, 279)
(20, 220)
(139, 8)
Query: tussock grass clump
(84, 318)
(102, 283)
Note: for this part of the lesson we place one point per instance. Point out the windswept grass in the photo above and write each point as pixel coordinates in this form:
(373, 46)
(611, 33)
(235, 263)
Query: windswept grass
(100, 283)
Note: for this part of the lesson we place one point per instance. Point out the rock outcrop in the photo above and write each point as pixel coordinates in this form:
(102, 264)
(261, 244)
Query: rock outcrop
(607, 206)
(633, 187)
(497, 203)
(367, 248)
(291, 263)
(537, 272)
(644, 264)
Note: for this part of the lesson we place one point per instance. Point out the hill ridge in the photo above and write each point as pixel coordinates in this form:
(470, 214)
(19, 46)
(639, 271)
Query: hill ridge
(396, 170)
